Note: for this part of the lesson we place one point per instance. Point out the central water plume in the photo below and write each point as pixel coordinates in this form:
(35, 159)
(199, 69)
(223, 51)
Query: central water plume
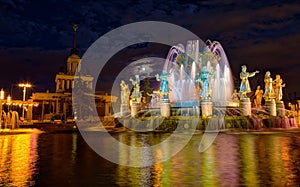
(186, 63)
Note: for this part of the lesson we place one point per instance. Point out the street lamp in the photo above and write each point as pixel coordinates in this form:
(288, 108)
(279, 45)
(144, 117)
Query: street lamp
(24, 86)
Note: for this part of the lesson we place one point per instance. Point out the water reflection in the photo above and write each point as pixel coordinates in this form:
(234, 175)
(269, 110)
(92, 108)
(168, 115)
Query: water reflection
(228, 162)
(249, 161)
(18, 159)
(64, 159)
(233, 160)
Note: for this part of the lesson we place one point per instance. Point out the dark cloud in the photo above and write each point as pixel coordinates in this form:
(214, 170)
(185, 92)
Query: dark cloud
(31, 64)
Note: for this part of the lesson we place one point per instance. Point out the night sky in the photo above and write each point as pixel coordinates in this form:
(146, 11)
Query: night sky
(36, 36)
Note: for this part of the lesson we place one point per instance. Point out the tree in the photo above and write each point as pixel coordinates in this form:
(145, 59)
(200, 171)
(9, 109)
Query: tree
(147, 91)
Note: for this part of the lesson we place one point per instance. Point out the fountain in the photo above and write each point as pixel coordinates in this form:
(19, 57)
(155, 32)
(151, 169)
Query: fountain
(9, 120)
(186, 63)
(196, 89)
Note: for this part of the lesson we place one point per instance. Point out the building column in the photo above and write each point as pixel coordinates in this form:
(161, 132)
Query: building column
(43, 110)
(53, 107)
(69, 67)
(67, 84)
(57, 107)
(29, 112)
(57, 84)
(65, 105)
(106, 108)
(63, 84)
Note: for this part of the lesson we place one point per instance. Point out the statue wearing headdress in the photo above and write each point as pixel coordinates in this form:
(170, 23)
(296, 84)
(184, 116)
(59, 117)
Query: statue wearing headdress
(125, 92)
(278, 84)
(203, 79)
(245, 86)
(136, 94)
(269, 91)
(164, 86)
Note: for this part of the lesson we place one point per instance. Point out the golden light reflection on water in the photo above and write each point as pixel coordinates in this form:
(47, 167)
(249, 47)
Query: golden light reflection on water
(74, 147)
(248, 160)
(158, 170)
(274, 151)
(232, 160)
(208, 170)
(18, 159)
(287, 165)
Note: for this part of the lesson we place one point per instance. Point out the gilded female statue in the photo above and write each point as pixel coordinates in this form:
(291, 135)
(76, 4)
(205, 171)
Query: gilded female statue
(245, 86)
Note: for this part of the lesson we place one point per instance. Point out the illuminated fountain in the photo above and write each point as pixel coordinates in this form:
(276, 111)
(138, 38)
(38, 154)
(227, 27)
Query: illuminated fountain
(196, 89)
(9, 120)
(186, 63)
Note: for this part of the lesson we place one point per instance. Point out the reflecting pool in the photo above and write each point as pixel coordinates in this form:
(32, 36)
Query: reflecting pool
(234, 159)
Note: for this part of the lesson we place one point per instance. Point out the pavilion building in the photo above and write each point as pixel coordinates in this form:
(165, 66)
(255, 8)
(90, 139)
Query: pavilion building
(59, 104)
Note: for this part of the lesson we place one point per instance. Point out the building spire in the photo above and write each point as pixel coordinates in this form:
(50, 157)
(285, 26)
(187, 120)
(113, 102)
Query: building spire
(75, 27)
(74, 50)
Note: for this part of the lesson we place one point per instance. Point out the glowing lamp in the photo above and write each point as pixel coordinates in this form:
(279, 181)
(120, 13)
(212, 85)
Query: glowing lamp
(27, 85)
(8, 98)
(2, 94)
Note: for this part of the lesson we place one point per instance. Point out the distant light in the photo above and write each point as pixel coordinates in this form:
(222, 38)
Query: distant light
(27, 85)
(2, 94)
(8, 98)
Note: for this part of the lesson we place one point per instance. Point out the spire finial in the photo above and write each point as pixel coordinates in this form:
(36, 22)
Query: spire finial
(75, 27)
(74, 50)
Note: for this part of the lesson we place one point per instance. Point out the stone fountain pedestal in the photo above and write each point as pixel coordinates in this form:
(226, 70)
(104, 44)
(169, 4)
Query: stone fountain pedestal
(134, 108)
(245, 106)
(124, 109)
(165, 109)
(206, 108)
(280, 108)
(271, 107)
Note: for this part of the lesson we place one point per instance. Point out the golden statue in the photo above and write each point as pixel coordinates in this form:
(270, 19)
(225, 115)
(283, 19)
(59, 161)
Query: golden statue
(245, 86)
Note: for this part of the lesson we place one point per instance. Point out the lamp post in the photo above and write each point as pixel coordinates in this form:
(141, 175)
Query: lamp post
(24, 86)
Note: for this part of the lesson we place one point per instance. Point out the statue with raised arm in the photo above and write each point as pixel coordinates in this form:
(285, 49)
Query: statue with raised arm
(125, 92)
(245, 86)
(204, 80)
(136, 94)
(278, 84)
(269, 91)
(164, 85)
